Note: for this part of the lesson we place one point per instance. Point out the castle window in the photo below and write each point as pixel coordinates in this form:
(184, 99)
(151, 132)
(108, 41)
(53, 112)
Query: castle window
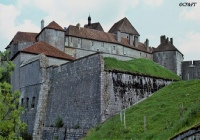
(22, 102)
(71, 39)
(113, 47)
(146, 55)
(33, 102)
(79, 41)
(140, 54)
(27, 100)
(92, 43)
(102, 45)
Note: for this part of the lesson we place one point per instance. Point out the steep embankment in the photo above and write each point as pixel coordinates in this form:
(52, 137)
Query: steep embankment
(140, 66)
(163, 115)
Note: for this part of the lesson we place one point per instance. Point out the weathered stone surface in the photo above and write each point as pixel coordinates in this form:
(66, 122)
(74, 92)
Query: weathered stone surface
(75, 93)
(121, 90)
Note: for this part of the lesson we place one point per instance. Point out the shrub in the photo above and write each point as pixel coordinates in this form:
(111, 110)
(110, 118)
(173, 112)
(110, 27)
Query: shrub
(59, 122)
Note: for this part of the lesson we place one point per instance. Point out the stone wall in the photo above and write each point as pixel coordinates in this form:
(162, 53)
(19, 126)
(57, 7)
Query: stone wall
(79, 47)
(51, 133)
(75, 93)
(31, 82)
(191, 134)
(121, 90)
(190, 70)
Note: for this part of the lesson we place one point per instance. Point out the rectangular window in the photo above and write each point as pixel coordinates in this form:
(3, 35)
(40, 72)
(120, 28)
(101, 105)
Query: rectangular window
(22, 102)
(27, 100)
(33, 102)
(102, 45)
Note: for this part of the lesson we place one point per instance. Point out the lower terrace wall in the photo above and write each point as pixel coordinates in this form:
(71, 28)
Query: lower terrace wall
(121, 90)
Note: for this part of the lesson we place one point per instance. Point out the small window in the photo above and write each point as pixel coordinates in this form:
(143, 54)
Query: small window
(33, 102)
(71, 39)
(140, 54)
(79, 41)
(22, 102)
(113, 47)
(27, 100)
(92, 43)
(146, 55)
(127, 36)
(98, 50)
(102, 45)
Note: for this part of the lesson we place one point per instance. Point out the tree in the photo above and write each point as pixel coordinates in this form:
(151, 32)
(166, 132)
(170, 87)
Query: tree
(10, 111)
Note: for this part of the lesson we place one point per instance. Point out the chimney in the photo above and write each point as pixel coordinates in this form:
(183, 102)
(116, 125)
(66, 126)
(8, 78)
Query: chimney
(147, 44)
(162, 38)
(131, 40)
(118, 36)
(89, 20)
(78, 25)
(171, 40)
(42, 24)
(136, 41)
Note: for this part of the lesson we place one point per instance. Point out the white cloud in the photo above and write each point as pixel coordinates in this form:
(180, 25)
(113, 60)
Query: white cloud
(8, 26)
(153, 3)
(7, 19)
(189, 45)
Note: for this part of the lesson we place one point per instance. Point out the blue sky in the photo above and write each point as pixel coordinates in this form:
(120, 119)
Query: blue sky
(151, 18)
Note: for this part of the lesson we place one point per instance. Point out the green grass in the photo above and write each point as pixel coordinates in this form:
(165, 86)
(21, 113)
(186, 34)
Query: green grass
(162, 115)
(140, 66)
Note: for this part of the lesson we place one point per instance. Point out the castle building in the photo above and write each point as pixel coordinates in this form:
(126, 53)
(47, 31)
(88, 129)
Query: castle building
(60, 73)
(168, 56)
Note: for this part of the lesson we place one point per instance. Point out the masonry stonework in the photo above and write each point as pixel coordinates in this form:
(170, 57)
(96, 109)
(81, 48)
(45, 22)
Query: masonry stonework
(121, 90)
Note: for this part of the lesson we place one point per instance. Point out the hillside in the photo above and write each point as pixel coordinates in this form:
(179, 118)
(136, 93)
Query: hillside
(140, 66)
(162, 111)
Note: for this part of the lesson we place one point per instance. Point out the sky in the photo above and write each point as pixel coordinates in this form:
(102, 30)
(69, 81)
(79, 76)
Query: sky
(151, 18)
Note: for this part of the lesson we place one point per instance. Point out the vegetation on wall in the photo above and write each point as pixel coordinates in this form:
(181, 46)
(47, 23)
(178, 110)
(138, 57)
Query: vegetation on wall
(59, 122)
(169, 111)
(139, 66)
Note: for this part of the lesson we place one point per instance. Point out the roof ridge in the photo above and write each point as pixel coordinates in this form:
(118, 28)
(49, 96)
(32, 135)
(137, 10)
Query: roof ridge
(122, 23)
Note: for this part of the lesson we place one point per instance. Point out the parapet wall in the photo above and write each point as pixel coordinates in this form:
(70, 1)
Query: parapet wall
(121, 90)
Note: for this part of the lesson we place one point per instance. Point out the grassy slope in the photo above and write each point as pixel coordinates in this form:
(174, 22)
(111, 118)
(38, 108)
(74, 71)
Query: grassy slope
(139, 66)
(161, 111)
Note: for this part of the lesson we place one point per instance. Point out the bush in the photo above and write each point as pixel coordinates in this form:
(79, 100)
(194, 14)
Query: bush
(59, 122)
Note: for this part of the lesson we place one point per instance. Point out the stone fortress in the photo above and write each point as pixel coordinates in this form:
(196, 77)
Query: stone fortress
(60, 74)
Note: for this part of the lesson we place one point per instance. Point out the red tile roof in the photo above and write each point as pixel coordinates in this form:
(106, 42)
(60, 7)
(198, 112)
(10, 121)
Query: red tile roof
(124, 26)
(100, 36)
(166, 46)
(54, 25)
(95, 26)
(21, 37)
(48, 50)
